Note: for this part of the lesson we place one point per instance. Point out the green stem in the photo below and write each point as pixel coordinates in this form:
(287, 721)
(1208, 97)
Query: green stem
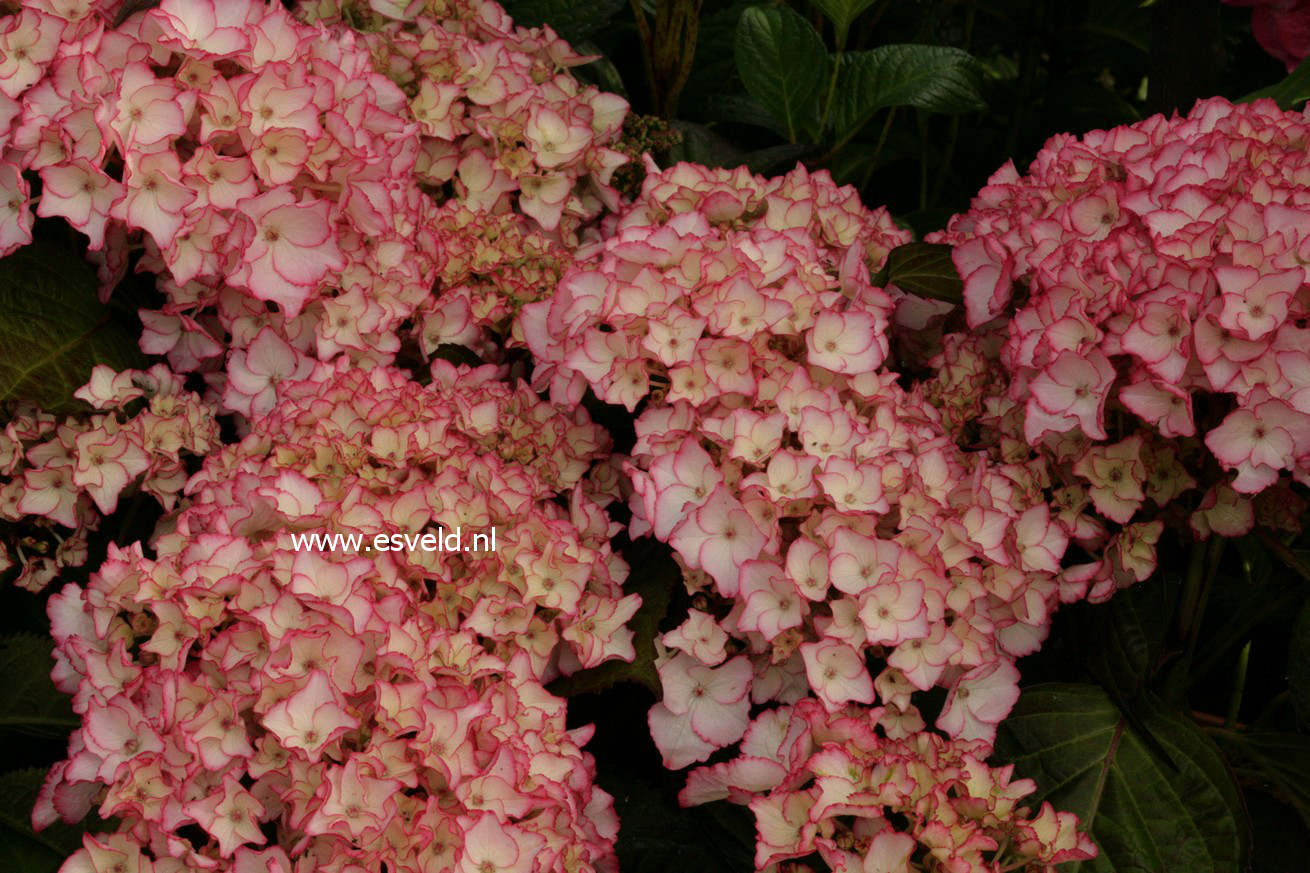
(923, 161)
(882, 137)
(647, 49)
(832, 90)
(1286, 555)
(953, 137)
(1239, 685)
(1197, 613)
(1187, 596)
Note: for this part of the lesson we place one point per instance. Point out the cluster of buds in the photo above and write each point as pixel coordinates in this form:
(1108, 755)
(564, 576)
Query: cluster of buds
(495, 263)
(66, 472)
(353, 708)
(844, 552)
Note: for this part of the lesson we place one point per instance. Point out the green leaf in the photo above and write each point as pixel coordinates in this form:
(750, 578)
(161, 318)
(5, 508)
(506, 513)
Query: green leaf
(29, 702)
(575, 20)
(1145, 815)
(932, 77)
(1278, 760)
(783, 64)
(744, 109)
(53, 330)
(924, 269)
(779, 158)
(1298, 666)
(1269, 590)
(654, 576)
(21, 848)
(658, 836)
(841, 13)
(1289, 93)
(1122, 641)
(702, 145)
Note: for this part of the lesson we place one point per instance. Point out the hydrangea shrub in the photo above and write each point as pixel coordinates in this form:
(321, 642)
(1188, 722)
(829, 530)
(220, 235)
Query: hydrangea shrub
(333, 198)
(1141, 310)
(827, 515)
(311, 710)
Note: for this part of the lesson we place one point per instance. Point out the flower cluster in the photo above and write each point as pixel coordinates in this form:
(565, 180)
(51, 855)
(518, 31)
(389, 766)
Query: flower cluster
(345, 710)
(1152, 281)
(287, 174)
(526, 150)
(494, 265)
(67, 471)
(700, 280)
(258, 160)
(962, 814)
(821, 511)
(500, 116)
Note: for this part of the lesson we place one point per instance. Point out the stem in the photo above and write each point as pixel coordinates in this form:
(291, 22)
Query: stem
(1212, 556)
(923, 161)
(1192, 582)
(1105, 772)
(1185, 622)
(647, 49)
(882, 137)
(953, 137)
(832, 91)
(1239, 685)
(1286, 555)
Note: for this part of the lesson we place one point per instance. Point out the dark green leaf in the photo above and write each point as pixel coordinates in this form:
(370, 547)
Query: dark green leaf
(1289, 93)
(932, 77)
(1122, 641)
(1279, 842)
(1279, 761)
(1298, 666)
(783, 64)
(744, 109)
(922, 222)
(601, 72)
(653, 576)
(21, 848)
(702, 145)
(841, 13)
(1269, 589)
(924, 269)
(780, 158)
(53, 330)
(658, 836)
(457, 355)
(29, 702)
(715, 68)
(575, 20)
(1144, 815)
